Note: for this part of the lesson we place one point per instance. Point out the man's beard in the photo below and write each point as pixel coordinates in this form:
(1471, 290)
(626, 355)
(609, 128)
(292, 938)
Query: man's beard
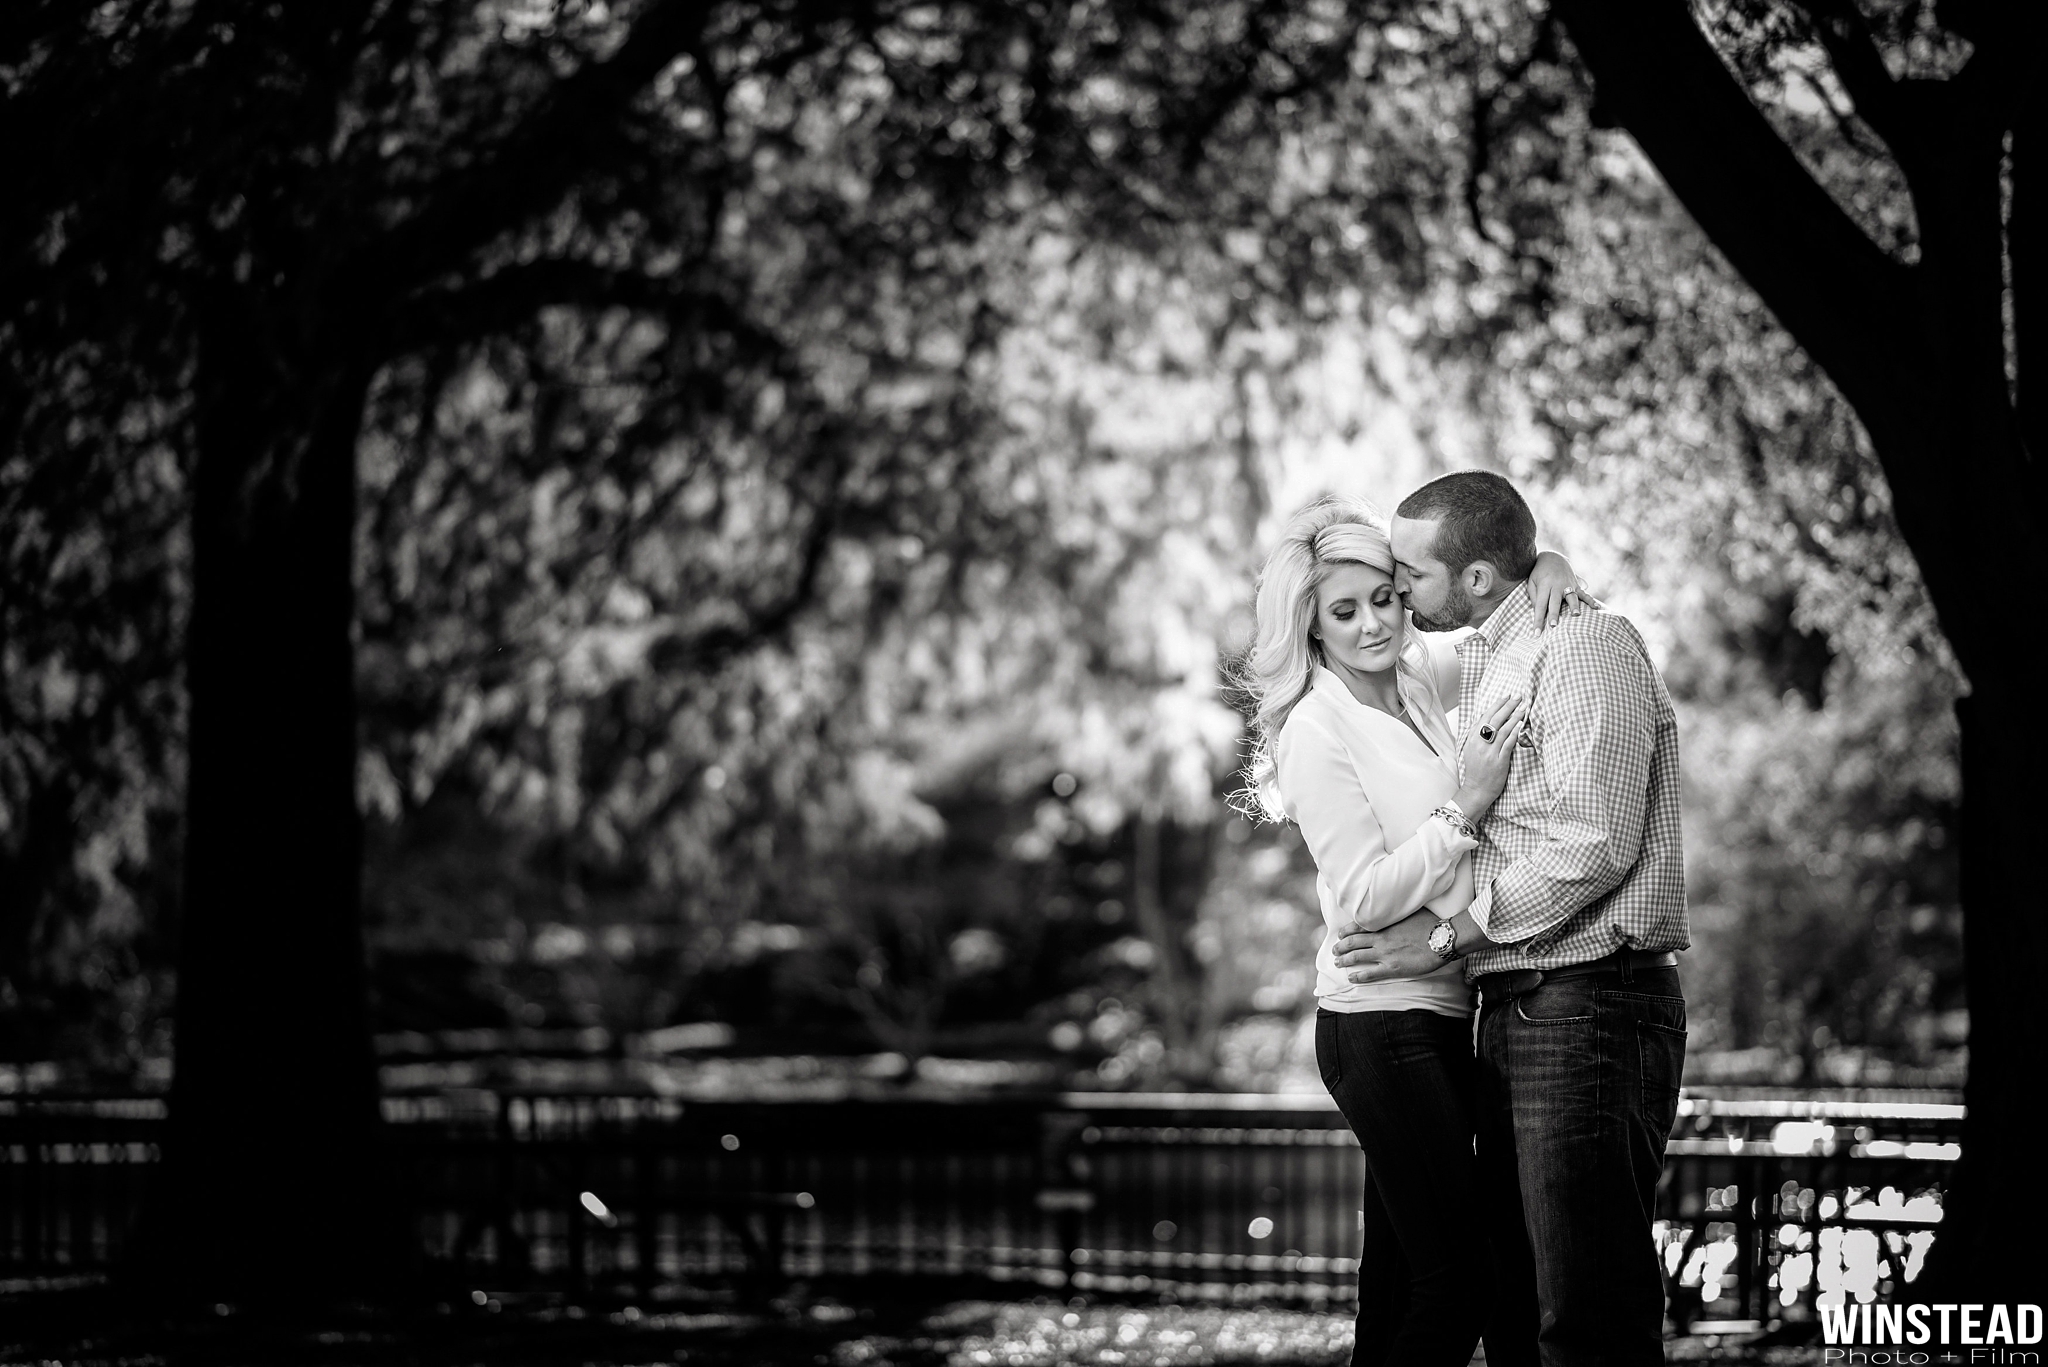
(1455, 615)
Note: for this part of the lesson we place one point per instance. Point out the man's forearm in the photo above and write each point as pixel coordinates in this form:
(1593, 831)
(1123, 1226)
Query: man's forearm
(1402, 949)
(1471, 939)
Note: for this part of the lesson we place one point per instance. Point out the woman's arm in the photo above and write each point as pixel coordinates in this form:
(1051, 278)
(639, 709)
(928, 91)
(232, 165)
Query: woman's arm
(1555, 590)
(1375, 884)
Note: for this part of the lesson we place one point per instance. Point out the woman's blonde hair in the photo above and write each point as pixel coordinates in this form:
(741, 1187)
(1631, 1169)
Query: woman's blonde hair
(1278, 670)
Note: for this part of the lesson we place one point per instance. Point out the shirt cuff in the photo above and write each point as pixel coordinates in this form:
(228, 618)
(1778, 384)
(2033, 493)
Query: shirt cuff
(1482, 910)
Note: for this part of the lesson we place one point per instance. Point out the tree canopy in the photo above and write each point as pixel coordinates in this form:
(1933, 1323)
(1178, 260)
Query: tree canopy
(725, 448)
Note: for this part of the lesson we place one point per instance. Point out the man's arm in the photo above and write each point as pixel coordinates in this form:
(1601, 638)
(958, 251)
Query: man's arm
(1402, 949)
(1598, 705)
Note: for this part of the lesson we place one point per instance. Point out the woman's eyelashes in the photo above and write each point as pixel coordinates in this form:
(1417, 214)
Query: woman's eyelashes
(1346, 610)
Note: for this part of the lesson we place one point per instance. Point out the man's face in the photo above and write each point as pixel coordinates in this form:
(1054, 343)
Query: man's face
(1433, 594)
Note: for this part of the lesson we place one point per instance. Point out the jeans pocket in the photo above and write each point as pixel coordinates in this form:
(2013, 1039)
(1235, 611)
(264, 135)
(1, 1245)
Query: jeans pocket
(1557, 1003)
(1327, 1062)
(1660, 1068)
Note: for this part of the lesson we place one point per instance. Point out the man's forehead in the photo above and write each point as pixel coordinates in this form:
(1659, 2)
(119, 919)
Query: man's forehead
(1413, 538)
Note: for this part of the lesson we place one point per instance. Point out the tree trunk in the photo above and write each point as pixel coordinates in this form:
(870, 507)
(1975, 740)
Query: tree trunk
(1920, 352)
(1981, 551)
(1148, 904)
(1176, 979)
(270, 1183)
(1987, 1250)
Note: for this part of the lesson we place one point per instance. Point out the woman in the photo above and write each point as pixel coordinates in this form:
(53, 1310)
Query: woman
(1355, 748)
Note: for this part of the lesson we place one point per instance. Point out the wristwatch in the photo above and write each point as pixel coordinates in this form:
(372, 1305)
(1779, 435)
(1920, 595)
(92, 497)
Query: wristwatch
(1443, 941)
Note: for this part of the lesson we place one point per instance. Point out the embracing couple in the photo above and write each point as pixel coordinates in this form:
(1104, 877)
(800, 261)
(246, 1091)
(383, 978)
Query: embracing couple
(1530, 853)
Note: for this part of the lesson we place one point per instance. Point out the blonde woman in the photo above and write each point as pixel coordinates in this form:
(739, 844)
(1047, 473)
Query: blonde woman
(1354, 748)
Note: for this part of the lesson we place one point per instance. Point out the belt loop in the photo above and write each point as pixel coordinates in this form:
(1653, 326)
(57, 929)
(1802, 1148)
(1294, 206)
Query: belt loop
(1627, 965)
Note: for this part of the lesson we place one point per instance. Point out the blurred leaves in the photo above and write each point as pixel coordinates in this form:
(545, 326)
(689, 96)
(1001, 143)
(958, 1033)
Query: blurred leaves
(799, 433)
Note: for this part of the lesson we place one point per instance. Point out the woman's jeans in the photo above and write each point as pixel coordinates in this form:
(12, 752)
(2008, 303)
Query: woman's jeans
(1404, 1080)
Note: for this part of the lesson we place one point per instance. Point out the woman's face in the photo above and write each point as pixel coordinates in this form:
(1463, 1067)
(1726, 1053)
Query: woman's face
(1359, 619)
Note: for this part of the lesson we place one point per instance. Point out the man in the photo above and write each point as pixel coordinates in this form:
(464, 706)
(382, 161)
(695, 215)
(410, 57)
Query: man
(1571, 939)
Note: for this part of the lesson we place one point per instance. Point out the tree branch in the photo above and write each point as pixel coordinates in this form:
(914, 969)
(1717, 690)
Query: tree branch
(1852, 50)
(1830, 286)
(1484, 94)
(509, 297)
(533, 167)
(710, 649)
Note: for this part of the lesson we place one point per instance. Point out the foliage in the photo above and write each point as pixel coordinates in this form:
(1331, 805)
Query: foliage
(864, 417)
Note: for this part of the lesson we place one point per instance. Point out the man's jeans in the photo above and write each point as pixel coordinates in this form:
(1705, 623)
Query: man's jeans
(1578, 1087)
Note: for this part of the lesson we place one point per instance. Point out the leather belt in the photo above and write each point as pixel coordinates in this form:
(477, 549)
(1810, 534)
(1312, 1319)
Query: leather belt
(1622, 962)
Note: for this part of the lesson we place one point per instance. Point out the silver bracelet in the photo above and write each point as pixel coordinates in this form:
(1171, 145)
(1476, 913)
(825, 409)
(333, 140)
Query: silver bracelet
(1456, 819)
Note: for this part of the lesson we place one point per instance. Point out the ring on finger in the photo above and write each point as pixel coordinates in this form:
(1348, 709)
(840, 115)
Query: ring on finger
(1486, 733)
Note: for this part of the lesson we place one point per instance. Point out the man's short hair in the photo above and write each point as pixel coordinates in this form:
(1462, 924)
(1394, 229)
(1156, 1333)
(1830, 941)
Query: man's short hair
(1479, 516)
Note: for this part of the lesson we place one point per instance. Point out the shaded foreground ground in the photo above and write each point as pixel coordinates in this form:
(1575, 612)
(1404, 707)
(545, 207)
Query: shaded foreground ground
(539, 1334)
(86, 1328)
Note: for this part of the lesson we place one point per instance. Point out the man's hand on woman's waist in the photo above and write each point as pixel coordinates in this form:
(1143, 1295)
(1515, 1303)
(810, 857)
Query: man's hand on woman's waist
(1402, 949)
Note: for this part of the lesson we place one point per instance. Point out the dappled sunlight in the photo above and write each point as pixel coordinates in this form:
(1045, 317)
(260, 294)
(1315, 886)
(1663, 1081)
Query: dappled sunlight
(622, 656)
(1081, 1335)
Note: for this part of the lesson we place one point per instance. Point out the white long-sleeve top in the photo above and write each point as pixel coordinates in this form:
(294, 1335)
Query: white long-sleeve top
(1360, 784)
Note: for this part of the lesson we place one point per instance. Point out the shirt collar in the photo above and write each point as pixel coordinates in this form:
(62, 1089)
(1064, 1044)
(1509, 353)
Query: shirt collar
(1327, 681)
(1428, 720)
(1516, 616)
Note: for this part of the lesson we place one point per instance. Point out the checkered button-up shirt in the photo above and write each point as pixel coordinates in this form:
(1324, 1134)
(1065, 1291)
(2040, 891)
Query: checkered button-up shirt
(1581, 855)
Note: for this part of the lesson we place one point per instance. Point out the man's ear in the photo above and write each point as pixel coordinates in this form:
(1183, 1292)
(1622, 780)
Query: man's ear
(1481, 578)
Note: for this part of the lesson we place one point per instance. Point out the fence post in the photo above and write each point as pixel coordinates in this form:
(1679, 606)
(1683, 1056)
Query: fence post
(1748, 1252)
(518, 1250)
(1062, 1180)
(33, 1252)
(646, 1215)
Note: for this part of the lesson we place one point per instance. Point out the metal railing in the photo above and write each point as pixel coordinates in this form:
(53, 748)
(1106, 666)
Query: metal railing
(1763, 1207)
(1111, 1192)
(74, 1173)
